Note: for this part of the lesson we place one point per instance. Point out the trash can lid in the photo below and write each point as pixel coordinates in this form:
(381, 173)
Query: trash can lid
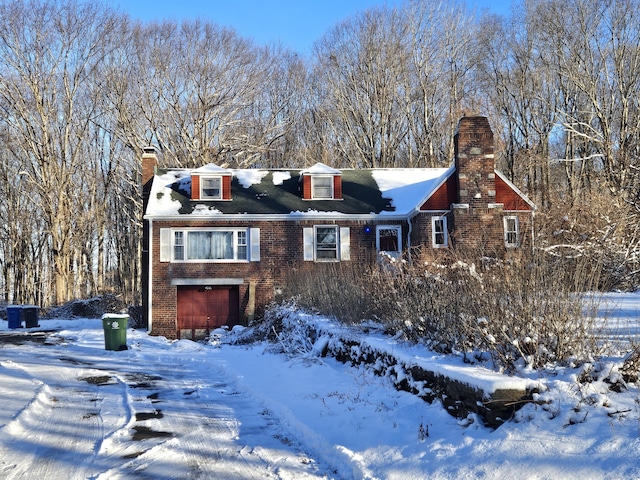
(114, 315)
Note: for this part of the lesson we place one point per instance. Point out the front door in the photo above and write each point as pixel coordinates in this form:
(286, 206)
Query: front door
(204, 308)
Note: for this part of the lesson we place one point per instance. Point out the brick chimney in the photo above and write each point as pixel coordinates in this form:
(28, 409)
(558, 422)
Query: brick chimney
(149, 165)
(477, 218)
(474, 161)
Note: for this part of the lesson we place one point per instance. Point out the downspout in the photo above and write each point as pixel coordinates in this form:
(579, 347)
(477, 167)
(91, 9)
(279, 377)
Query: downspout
(533, 235)
(409, 239)
(149, 279)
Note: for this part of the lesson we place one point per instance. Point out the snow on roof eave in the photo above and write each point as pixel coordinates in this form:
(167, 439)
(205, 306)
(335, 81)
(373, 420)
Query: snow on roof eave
(442, 181)
(320, 168)
(516, 189)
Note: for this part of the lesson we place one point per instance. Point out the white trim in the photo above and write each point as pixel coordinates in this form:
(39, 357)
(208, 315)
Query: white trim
(206, 281)
(505, 219)
(445, 231)
(149, 282)
(338, 246)
(234, 230)
(332, 195)
(211, 177)
(290, 217)
(398, 229)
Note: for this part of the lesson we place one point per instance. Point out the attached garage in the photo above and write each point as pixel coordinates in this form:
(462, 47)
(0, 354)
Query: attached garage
(203, 308)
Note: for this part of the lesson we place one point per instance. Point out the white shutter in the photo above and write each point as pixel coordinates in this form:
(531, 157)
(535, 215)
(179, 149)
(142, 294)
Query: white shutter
(308, 244)
(165, 244)
(345, 247)
(254, 241)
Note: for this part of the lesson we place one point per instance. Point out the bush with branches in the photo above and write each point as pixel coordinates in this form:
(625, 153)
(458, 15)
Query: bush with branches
(529, 311)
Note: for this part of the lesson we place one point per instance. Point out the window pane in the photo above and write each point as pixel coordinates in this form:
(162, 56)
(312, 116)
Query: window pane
(322, 187)
(242, 245)
(210, 246)
(211, 187)
(438, 231)
(511, 231)
(326, 243)
(178, 246)
(389, 240)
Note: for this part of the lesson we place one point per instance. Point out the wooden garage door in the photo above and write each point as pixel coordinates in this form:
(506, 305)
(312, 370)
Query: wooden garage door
(204, 308)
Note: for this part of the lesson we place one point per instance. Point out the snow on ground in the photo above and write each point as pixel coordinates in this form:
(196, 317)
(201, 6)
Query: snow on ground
(162, 409)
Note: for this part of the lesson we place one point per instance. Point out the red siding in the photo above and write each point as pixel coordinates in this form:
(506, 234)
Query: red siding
(226, 187)
(337, 187)
(306, 187)
(195, 187)
(508, 197)
(443, 197)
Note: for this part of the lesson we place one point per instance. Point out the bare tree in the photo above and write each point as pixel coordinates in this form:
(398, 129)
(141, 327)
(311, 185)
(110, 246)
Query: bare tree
(595, 47)
(48, 55)
(360, 66)
(437, 78)
(522, 91)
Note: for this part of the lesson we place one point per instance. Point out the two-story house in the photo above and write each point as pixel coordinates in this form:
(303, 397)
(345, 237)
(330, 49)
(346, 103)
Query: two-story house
(218, 243)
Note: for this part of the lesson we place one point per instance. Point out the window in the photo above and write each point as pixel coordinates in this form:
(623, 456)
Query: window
(326, 243)
(322, 187)
(178, 245)
(211, 188)
(389, 239)
(511, 232)
(439, 232)
(210, 245)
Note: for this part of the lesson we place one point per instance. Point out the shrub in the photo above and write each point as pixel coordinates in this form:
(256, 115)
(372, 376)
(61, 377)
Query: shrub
(531, 310)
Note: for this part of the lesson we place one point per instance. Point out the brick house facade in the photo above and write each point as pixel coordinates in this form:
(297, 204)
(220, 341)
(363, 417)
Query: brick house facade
(218, 244)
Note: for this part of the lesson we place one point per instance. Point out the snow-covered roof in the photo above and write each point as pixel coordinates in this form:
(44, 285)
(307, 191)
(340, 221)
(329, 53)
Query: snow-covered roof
(395, 192)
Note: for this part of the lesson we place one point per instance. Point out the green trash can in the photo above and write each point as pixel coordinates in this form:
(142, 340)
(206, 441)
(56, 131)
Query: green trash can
(115, 331)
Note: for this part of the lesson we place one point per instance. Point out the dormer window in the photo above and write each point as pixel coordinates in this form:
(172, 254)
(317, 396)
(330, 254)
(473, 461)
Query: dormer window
(211, 188)
(321, 187)
(211, 183)
(321, 182)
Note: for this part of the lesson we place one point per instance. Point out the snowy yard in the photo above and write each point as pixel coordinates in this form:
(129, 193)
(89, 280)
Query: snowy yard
(70, 409)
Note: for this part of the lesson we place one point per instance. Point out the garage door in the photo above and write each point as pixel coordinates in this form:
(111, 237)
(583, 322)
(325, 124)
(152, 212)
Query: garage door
(204, 308)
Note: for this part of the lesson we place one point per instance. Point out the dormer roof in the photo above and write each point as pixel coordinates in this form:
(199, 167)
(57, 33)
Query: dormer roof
(320, 169)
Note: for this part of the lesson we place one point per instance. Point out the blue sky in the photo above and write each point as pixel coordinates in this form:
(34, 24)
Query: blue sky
(294, 23)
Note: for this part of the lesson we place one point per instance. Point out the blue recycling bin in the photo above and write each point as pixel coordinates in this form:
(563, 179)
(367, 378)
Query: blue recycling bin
(14, 316)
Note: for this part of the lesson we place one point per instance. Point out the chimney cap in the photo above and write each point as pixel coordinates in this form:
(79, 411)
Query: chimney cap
(149, 150)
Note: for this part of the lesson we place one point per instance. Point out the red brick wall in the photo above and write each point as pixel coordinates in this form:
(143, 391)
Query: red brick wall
(281, 253)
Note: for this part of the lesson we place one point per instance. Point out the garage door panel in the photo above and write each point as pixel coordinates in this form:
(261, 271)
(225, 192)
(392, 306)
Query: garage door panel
(201, 309)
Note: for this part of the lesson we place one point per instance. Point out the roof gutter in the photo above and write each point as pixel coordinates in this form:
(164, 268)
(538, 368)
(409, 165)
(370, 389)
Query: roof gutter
(285, 217)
